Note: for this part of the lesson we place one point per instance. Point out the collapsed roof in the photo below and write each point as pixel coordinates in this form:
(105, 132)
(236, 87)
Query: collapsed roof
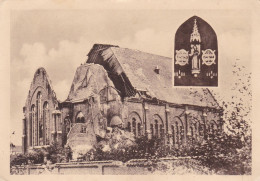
(89, 79)
(134, 71)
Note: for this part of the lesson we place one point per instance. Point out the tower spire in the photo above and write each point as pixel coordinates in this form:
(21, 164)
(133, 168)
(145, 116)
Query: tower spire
(195, 35)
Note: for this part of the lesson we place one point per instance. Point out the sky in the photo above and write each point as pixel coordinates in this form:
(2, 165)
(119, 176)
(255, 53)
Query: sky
(59, 41)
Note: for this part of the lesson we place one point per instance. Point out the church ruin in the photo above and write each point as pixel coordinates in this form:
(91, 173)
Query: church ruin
(119, 82)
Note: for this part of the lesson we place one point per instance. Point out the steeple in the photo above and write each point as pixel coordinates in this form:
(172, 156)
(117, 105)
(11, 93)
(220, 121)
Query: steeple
(195, 35)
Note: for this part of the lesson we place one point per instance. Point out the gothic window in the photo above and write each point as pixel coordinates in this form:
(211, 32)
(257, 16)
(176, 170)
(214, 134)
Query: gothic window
(67, 124)
(173, 134)
(45, 123)
(178, 130)
(129, 126)
(181, 134)
(192, 134)
(32, 125)
(152, 130)
(39, 122)
(212, 127)
(83, 129)
(161, 131)
(177, 133)
(134, 125)
(156, 129)
(39, 119)
(158, 126)
(139, 129)
(201, 130)
(80, 118)
(196, 130)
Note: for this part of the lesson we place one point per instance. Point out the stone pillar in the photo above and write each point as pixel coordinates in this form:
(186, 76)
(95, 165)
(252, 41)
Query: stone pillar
(205, 122)
(145, 109)
(24, 137)
(54, 129)
(57, 131)
(187, 132)
(167, 136)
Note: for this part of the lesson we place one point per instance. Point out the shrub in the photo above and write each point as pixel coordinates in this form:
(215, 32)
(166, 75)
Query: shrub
(19, 159)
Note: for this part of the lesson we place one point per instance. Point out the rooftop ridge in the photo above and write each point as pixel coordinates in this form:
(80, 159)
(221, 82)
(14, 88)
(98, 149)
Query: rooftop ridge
(114, 47)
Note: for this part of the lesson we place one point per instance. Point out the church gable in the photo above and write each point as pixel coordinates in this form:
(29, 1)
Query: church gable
(41, 83)
(40, 104)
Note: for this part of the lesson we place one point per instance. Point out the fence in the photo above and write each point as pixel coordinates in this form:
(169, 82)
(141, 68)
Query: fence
(132, 167)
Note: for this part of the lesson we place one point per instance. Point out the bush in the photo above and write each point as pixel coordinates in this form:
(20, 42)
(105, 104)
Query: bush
(224, 154)
(55, 153)
(19, 159)
(34, 157)
(144, 148)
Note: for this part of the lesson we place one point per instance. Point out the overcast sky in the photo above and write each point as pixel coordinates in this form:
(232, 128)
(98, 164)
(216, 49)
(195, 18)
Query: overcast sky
(59, 40)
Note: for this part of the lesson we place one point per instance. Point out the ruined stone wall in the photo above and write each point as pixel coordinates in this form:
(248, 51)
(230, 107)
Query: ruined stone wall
(40, 104)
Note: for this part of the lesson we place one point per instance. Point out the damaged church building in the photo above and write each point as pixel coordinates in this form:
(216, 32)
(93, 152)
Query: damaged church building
(119, 84)
(130, 89)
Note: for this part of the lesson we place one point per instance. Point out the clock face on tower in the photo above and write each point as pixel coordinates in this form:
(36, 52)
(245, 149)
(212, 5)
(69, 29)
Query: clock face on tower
(195, 54)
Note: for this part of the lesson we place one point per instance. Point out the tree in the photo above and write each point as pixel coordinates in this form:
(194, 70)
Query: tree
(232, 149)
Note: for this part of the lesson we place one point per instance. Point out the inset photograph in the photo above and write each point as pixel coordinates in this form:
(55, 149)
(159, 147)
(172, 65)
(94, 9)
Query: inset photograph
(195, 54)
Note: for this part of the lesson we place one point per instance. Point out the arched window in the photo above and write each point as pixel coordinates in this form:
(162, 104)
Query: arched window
(176, 122)
(134, 125)
(32, 126)
(129, 126)
(177, 133)
(45, 123)
(212, 127)
(39, 95)
(173, 135)
(139, 129)
(161, 131)
(152, 130)
(40, 119)
(158, 126)
(80, 118)
(181, 133)
(156, 129)
(67, 124)
(192, 133)
(39, 127)
(45, 105)
(201, 130)
(66, 129)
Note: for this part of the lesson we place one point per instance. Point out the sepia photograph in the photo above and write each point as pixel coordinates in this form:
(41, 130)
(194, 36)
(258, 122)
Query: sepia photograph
(130, 92)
